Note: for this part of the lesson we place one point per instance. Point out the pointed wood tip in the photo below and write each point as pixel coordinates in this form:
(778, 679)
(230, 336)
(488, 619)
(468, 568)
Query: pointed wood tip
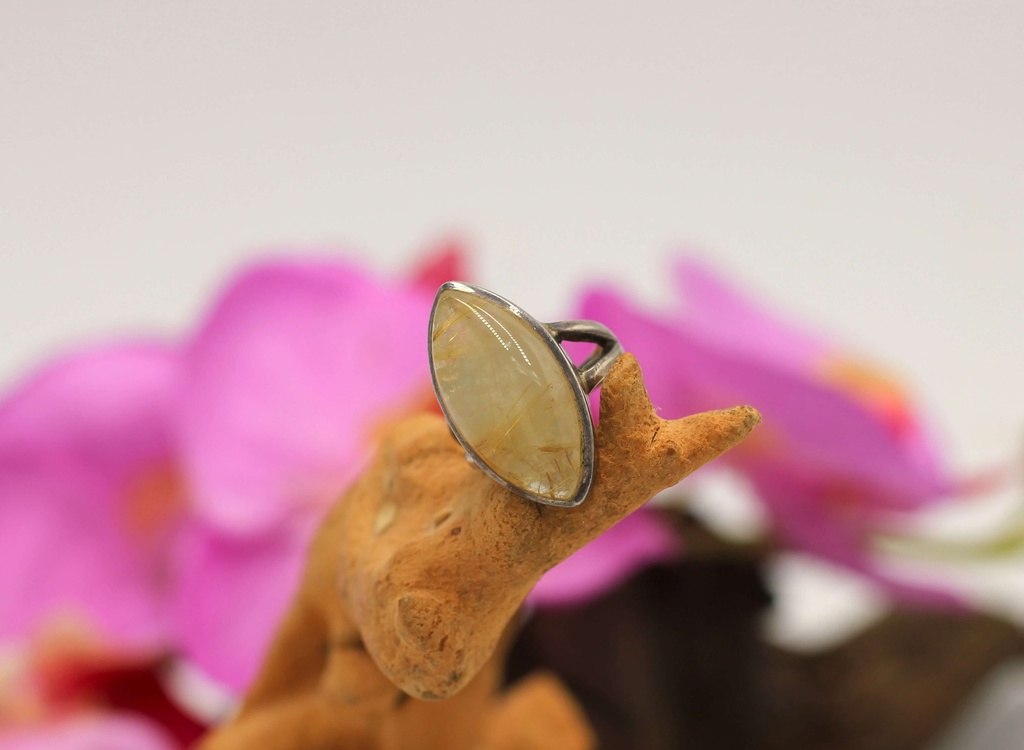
(745, 418)
(718, 430)
(684, 445)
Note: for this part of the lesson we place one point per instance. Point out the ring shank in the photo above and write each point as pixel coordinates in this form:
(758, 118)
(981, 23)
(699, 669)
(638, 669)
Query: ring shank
(597, 365)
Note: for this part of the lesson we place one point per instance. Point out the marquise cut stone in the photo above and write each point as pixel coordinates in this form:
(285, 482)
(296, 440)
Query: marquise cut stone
(507, 394)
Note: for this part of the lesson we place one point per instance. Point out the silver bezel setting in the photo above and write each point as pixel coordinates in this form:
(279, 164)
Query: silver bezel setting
(581, 379)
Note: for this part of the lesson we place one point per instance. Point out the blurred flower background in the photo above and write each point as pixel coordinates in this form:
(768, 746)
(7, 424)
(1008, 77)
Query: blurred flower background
(811, 209)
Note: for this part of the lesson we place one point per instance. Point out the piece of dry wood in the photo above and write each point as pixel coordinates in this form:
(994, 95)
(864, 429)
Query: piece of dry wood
(416, 573)
(897, 685)
(536, 712)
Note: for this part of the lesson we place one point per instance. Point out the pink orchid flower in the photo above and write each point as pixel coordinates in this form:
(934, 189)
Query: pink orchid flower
(88, 500)
(100, 731)
(139, 504)
(161, 496)
(840, 453)
(89, 510)
(289, 381)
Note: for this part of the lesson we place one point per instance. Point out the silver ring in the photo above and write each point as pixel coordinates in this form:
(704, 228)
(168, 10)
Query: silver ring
(512, 397)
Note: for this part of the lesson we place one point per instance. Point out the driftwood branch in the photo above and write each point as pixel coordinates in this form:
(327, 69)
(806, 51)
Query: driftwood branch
(418, 571)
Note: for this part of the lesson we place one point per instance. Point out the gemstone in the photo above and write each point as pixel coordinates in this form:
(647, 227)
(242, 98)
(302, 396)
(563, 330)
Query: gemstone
(511, 399)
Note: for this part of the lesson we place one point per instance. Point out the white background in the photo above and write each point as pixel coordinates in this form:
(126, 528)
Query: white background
(861, 164)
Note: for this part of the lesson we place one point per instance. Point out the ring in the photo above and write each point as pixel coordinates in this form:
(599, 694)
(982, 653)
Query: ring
(511, 395)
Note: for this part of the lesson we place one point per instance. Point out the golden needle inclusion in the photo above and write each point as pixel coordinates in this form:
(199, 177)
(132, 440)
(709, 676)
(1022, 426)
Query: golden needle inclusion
(507, 394)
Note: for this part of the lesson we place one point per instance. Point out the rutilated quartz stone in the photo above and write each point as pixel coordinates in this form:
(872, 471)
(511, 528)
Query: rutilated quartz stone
(508, 395)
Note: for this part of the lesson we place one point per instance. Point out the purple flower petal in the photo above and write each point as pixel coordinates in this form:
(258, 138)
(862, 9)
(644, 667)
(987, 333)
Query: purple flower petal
(107, 407)
(717, 313)
(66, 554)
(232, 594)
(828, 430)
(79, 446)
(90, 732)
(638, 541)
(805, 519)
(286, 382)
(833, 459)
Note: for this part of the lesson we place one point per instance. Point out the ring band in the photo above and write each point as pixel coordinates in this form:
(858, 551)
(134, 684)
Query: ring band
(512, 397)
(596, 366)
